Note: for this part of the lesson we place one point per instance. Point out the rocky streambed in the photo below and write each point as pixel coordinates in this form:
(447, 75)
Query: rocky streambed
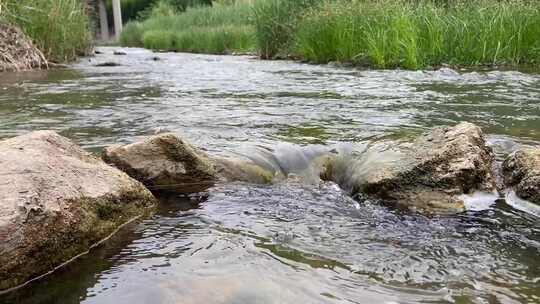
(59, 201)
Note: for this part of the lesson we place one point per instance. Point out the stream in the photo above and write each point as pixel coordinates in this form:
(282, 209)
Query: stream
(292, 242)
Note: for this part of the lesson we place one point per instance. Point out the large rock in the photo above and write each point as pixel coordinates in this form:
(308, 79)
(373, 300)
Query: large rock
(521, 171)
(56, 201)
(166, 163)
(428, 174)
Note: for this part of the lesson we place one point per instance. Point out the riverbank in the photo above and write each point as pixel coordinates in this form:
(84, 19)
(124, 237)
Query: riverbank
(60, 29)
(220, 29)
(17, 52)
(379, 34)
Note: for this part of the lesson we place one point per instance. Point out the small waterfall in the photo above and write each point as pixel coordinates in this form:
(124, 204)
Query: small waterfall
(352, 169)
(295, 161)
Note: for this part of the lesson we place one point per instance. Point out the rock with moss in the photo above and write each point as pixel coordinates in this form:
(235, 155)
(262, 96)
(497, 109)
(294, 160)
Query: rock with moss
(429, 174)
(166, 163)
(56, 201)
(521, 172)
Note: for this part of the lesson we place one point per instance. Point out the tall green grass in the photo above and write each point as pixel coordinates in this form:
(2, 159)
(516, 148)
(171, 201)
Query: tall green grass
(411, 34)
(419, 34)
(133, 10)
(218, 29)
(276, 22)
(59, 28)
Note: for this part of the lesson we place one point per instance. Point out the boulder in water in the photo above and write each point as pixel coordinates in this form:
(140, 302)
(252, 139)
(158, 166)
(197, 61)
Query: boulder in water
(56, 201)
(427, 175)
(166, 163)
(521, 171)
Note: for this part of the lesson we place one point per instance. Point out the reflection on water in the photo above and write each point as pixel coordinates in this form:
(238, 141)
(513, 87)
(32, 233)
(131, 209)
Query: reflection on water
(261, 101)
(291, 242)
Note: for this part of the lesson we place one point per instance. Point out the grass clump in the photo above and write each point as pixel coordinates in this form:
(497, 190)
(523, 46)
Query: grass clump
(276, 22)
(142, 9)
(219, 29)
(159, 40)
(132, 35)
(216, 40)
(59, 28)
(414, 35)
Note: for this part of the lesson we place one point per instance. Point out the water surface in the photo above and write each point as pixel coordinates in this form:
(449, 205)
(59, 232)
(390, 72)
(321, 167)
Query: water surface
(291, 242)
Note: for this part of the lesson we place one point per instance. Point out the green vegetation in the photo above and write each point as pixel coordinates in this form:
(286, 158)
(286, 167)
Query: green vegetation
(276, 23)
(411, 34)
(218, 30)
(59, 28)
(414, 35)
(141, 9)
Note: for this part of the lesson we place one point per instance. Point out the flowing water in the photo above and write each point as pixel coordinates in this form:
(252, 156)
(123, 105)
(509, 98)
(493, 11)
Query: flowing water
(293, 242)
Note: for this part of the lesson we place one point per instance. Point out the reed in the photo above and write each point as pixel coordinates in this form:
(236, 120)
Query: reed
(276, 22)
(388, 34)
(216, 40)
(59, 28)
(219, 29)
(410, 34)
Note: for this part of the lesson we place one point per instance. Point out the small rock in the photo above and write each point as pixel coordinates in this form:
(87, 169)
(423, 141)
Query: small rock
(521, 171)
(119, 53)
(167, 164)
(108, 64)
(164, 162)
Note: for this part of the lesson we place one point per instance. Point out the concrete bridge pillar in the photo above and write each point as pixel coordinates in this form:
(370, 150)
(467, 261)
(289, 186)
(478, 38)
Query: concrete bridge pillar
(117, 14)
(103, 21)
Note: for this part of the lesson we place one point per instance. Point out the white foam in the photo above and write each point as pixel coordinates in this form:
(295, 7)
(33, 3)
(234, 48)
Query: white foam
(523, 205)
(479, 201)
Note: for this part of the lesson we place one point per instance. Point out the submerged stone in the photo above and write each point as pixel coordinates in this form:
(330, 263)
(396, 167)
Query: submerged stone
(521, 171)
(108, 64)
(166, 163)
(427, 175)
(56, 201)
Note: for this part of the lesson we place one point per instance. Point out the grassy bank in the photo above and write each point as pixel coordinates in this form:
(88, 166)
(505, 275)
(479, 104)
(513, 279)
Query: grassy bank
(276, 24)
(415, 35)
(141, 9)
(219, 29)
(410, 34)
(59, 28)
